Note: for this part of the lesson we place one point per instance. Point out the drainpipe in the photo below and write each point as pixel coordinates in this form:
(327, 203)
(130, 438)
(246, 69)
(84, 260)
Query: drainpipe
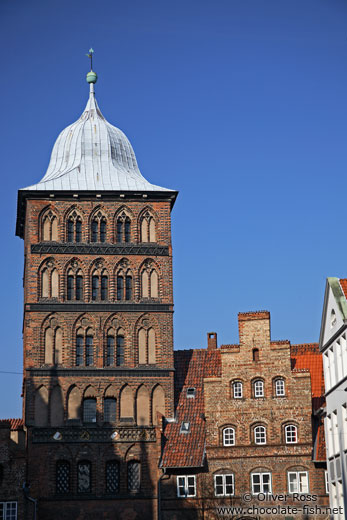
(159, 491)
(33, 500)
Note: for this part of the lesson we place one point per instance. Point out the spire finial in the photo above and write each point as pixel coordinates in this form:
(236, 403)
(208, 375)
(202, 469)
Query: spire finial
(91, 76)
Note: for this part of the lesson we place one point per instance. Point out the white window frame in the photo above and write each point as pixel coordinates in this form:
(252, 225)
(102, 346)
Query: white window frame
(237, 390)
(8, 511)
(280, 389)
(258, 388)
(189, 481)
(228, 436)
(289, 434)
(259, 437)
(224, 485)
(261, 483)
(326, 480)
(296, 487)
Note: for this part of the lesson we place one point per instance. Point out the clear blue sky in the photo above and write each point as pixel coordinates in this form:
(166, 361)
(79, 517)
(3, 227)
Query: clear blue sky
(241, 105)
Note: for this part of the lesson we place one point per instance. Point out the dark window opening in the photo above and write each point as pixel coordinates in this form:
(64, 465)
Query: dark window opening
(110, 351)
(95, 287)
(70, 226)
(84, 477)
(119, 287)
(120, 351)
(79, 350)
(134, 476)
(94, 231)
(103, 231)
(89, 350)
(78, 231)
(128, 288)
(70, 284)
(112, 476)
(127, 230)
(109, 409)
(89, 410)
(255, 354)
(79, 287)
(104, 286)
(62, 477)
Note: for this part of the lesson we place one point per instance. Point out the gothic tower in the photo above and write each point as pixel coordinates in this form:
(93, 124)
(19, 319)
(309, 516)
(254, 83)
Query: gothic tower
(97, 332)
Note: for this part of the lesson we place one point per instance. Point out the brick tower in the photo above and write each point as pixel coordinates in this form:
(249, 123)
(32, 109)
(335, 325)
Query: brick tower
(98, 338)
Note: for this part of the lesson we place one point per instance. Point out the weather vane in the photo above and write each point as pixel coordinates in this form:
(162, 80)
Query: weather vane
(90, 55)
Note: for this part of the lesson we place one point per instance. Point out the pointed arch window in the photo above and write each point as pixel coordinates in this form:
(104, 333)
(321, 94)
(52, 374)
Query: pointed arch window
(110, 349)
(149, 282)
(146, 343)
(148, 231)
(49, 281)
(74, 285)
(120, 349)
(123, 227)
(84, 348)
(124, 286)
(98, 231)
(53, 340)
(100, 285)
(74, 227)
(49, 231)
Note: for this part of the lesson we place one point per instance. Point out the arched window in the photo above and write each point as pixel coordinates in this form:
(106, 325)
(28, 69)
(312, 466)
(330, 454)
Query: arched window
(89, 410)
(148, 232)
(74, 227)
(158, 404)
(279, 387)
(134, 476)
(41, 406)
(124, 286)
(49, 231)
(149, 282)
(123, 227)
(84, 481)
(84, 348)
(56, 407)
(74, 404)
(120, 348)
(53, 340)
(49, 281)
(112, 476)
(100, 285)
(110, 350)
(62, 478)
(291, 434)
(98, 228)
(258, 388)
(127, 404)
(142, 406)
(237, 389)
(228, 436)
(146, 343)
(260, 435)
(115, 348)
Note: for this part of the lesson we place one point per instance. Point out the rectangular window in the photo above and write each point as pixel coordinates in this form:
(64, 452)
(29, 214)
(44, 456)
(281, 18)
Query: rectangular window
(78, 231)
(83, 477)
(112, 476)
(261, 483)
(94, 231)
(95, 287)
(134, 476)
(326, 480)
(119, 287)
(8, 510)
(79, 287)
(89, 410)
(70, 287)
(127, 230)
(104, 286)
(103, 231)
(119, 231)
(62, 477)
(186, 486)
(70, 231)
(128, 288)
(89, 351)
(109, 409)
(279, 387)
(223, 485)
(297, 481)
(79, 350)
(120, 351)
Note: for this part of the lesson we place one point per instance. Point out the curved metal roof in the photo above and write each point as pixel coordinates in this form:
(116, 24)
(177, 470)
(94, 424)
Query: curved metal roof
(91, 154)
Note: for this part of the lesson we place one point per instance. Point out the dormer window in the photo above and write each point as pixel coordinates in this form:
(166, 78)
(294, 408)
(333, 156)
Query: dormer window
(185, 427)
(191, 392)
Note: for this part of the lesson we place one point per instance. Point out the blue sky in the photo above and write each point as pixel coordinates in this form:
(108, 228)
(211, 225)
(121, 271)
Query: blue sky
(238, 104)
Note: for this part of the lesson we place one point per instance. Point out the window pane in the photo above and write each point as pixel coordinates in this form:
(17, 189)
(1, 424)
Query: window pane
(133, 476)
(94, 231)
(119, 230)
(89, 410)
(303, 482)
(128, 292)
(112, 476)
(127, 230)
(63, 477)
(237, 390)
(191, 486)
(293, 482)
(109, 409)
(120, 351)
(266, 483)
(79, 350)
(104, 286)
(10, 512)
(70, 231)
(83, 477)
(119, 287)
(70, 285)
(110, 351)
(218, 485)
(95, 287)
(229, 484)
(280, 387)
(103, 231)
(89, 350)
(181, 490)
(79, 287)
(228, 436)
(291, 434)
(259, 389)
(78, 231)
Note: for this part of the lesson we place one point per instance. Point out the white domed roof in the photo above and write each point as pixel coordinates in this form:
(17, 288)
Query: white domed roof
(93, 155)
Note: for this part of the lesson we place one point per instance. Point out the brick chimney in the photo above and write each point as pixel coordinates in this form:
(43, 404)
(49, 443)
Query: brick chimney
(212, 341)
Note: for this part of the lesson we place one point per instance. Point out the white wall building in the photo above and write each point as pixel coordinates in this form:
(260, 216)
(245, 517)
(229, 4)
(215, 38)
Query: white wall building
(333, 345)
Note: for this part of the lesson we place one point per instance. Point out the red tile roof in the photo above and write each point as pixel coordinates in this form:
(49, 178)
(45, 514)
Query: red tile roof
(15, 424)
(343, 283)
(187, 449)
